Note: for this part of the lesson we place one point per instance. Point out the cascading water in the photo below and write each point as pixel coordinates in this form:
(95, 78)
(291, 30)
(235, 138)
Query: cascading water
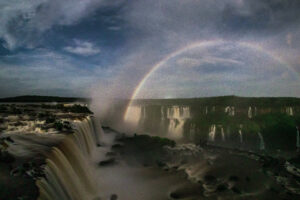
(289, 111)
(177, 116)
(230, 110)
(68, 175)
(223, 134)
(261, 141)
(241, 134)
(250, 112)
(212, 133)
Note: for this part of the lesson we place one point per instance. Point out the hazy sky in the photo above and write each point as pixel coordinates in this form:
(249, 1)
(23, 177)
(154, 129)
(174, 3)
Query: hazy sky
(88, 47)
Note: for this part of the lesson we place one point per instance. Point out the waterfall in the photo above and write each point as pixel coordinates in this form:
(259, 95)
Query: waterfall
(223, 134)
(162, 113)
(177, 116)
(298, 139)
(289, 111)
(250, 112)
(261, 141)
(212, 133)
(230, 110)
(186, 112)
(241, 134)
(68, 175)
(176, 128)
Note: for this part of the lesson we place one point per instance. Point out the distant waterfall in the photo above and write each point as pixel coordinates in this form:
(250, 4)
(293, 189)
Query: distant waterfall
(68, 173)
(250, 112)
(298, 138)
(289, 111)
(212, 133)
(177, 116)
(261, 141)
(241, 134)
(223, 134)
(230, 110)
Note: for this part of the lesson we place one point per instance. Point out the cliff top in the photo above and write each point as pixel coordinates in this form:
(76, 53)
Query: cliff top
(225, 101)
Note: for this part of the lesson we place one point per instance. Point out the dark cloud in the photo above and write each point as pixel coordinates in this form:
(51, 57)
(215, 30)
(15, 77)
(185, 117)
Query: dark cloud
(261, 15)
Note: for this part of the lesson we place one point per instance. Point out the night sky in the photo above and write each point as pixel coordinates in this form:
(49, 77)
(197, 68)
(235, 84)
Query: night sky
(106, 47)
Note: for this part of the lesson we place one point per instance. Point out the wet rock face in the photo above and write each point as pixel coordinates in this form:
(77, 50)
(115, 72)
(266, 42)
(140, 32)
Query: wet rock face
(107, 162)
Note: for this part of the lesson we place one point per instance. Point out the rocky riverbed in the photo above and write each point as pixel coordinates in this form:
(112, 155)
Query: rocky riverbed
(160, 168)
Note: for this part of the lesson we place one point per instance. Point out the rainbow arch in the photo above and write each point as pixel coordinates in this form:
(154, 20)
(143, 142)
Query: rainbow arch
(193, 45)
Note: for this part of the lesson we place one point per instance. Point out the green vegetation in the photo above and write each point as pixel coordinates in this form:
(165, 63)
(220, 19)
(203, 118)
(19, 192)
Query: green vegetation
(278, 129)
(225, 101)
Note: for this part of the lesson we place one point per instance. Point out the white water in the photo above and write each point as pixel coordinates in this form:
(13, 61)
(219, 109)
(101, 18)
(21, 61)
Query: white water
(212, 133)
(223, 134)
(68, 171)
(289, 111)
(230, 110)
(241, 134)
(250, 112)
(177, 116)
(261, 141)
(178, 112)
(162, 113)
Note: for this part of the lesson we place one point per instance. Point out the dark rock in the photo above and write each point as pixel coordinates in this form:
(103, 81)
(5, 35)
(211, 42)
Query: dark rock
(160, 163)
(109, 161)
(113, 197)
(233, 178)
(16, 172)
(174, 195)
(221, 188)
(111, 153)
(9, 139)
(6, 157)
(118, 145)
(210, 179)
(236, 190)
(247, 178)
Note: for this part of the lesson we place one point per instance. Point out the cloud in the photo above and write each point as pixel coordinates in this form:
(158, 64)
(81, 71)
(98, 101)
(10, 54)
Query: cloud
(114, 28)
(23, 23)
(83, 48)
(46, 73)
(211, 60)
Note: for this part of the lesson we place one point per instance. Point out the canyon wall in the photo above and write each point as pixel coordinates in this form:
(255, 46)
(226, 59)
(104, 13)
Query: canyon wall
(257, 124)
